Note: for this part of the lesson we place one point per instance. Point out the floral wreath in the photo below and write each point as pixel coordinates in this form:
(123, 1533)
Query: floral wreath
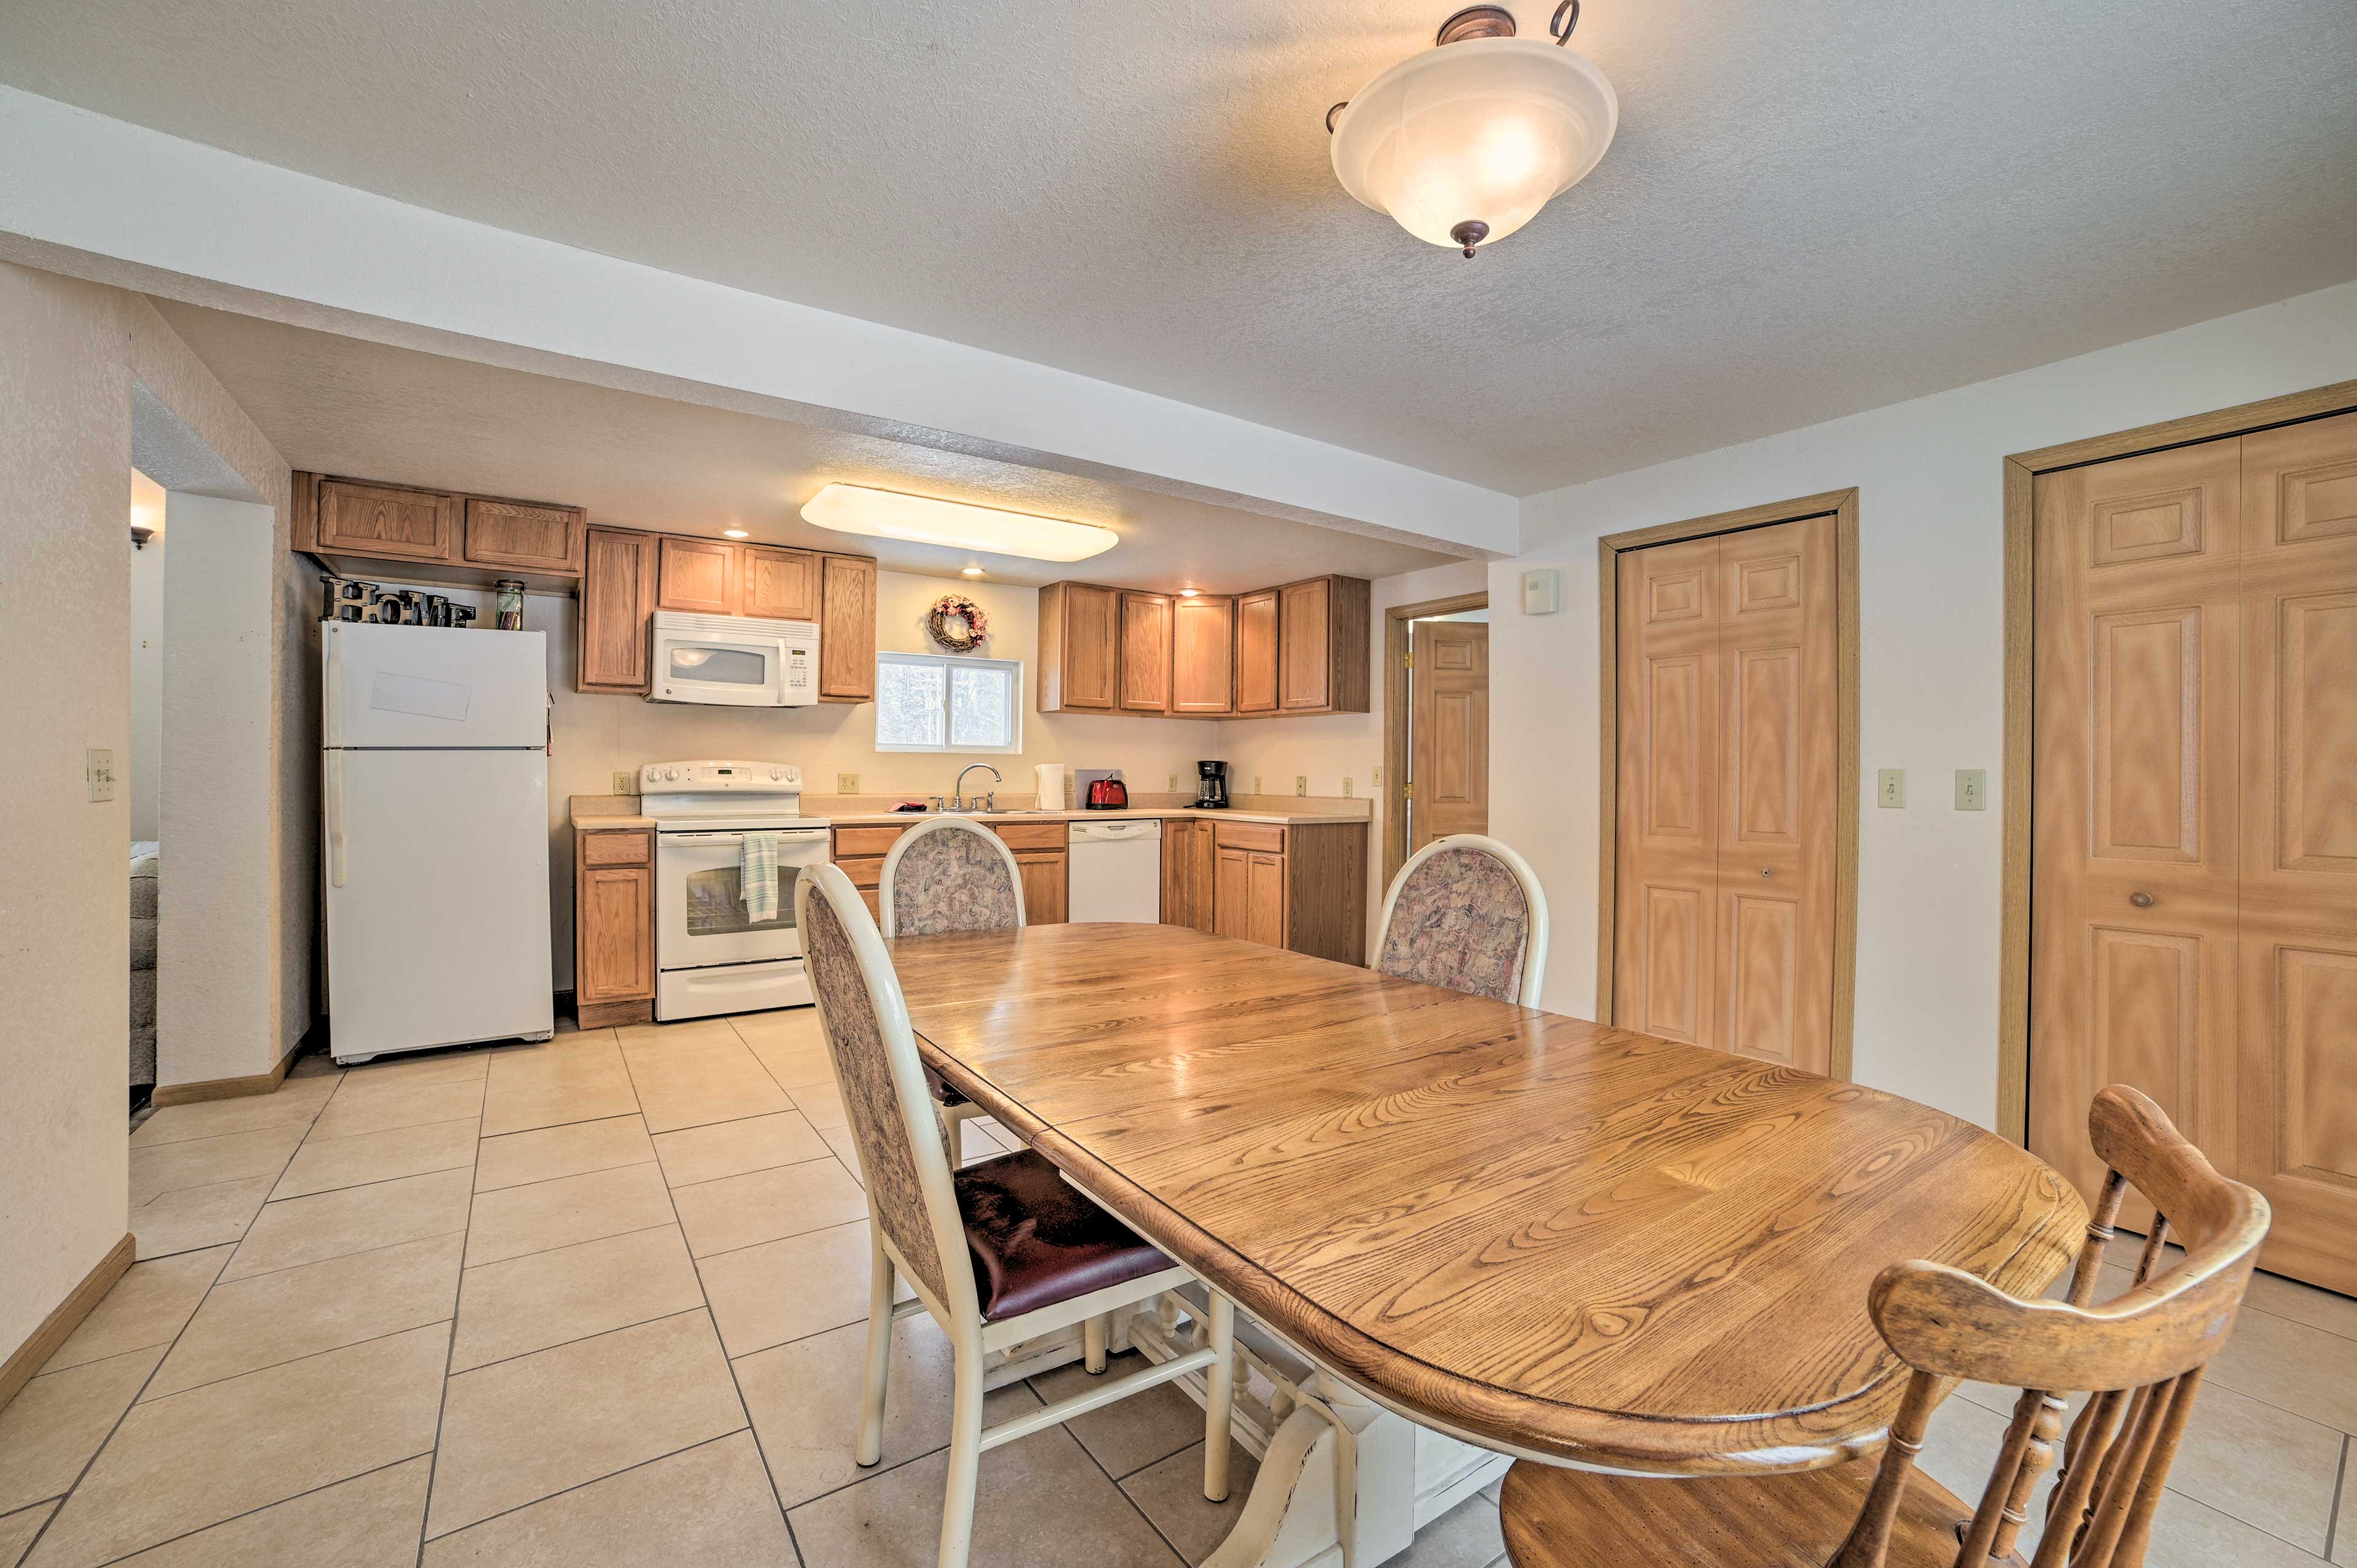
(957, 623)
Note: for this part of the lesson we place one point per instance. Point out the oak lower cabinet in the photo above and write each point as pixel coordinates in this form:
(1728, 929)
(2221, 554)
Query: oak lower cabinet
(613, 926)
(1299, 886)
(1188, 867)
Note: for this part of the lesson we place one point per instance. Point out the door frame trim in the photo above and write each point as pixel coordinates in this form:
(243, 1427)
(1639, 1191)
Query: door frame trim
(2021, 469)
(1843, 507)
(1395, 718)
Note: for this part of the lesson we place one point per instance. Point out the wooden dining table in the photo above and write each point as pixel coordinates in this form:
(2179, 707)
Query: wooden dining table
(1551, 1237)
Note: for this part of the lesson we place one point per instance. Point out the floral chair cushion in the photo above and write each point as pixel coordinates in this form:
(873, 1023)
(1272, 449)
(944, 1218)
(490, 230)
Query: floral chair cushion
(1460, 921)
(952, 879)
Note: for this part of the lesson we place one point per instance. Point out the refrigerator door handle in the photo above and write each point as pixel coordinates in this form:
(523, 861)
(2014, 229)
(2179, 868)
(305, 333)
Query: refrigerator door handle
(335, 812)
(335, 685)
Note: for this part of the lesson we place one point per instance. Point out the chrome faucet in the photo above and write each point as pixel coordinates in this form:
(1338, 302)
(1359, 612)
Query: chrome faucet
(989, 802)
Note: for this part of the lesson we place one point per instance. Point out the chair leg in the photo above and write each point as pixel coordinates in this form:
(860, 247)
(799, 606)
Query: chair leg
(966, 1456)
(1096, 1333)
(880, 1357)
(1219, 1410)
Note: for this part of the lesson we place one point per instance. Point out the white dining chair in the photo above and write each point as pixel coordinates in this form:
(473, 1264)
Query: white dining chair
(947, 874)
(1002, 1252)
(1467, 912)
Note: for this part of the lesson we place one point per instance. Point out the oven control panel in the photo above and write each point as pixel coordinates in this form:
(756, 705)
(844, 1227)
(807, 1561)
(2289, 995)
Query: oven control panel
(716, 776)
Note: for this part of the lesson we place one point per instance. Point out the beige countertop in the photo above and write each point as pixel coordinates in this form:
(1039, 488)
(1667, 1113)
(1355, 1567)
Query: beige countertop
(592, 811)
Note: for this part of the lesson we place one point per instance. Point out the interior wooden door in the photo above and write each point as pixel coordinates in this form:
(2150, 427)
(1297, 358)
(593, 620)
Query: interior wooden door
(2135, 842)
(1778, 712)
(1448, 731)
(2294, 1064)
(1665, 872)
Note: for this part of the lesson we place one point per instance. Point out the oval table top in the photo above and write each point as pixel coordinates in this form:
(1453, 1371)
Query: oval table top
(1545, 1235)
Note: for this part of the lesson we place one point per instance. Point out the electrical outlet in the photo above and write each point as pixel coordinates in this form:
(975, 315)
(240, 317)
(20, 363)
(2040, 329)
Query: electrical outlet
(1346, 785)
(1971, 789)
(1301, 785)
(1890, 788)
(1379, 780)
(846, 783)
(100, 772)
(1174, 783)
(625, 783)
(1256, 788)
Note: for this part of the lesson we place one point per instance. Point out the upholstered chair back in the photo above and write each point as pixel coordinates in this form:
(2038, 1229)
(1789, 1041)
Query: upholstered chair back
(1466, 912)
(949, 874)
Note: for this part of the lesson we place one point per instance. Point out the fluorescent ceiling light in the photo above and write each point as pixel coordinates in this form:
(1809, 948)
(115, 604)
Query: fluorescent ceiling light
(738, 532)
(888, 514)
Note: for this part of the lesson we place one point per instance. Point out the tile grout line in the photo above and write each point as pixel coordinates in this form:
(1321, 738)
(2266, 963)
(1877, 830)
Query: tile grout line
(449, 1352)
(331, 1258)
(1111, 1479)
(381, 1132)
(584, 1339)
(66, 1496)
(2340, 1485)
(248, 1513)
(466, 1268)
(578, 1485)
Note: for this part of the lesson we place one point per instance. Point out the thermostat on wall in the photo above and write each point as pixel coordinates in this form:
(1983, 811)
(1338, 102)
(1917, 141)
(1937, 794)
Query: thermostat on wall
(1541, 591)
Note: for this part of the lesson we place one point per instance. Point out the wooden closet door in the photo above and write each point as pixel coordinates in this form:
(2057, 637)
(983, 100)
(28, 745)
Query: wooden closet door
(1665, 875)
(2136, 841)
(1779, 724)
(2295, 1061)
(1448, 765)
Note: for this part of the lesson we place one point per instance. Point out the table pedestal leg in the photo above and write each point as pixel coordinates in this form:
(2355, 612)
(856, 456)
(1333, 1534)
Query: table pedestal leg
(1336, 1489)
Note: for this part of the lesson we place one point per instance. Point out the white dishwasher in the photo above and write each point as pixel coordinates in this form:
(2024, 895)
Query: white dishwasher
(1117, 870)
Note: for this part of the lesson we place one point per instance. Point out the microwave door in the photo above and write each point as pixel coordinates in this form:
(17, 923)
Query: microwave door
(715, 669)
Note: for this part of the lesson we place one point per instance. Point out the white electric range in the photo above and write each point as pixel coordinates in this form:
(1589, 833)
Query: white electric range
(711, 956)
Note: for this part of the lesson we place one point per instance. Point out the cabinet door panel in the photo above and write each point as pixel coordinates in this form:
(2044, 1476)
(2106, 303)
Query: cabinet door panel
(1045, 885)
(846, 633)
(1145, 653)
(386, 522)
(618, 595)
(1203, 655)
(1232, 894)
(1306, 667)
(698, 575)
(1264, 892)
(780, 585)
(1257, 652)
(617, 959)
(1092, 648)
(527, 537)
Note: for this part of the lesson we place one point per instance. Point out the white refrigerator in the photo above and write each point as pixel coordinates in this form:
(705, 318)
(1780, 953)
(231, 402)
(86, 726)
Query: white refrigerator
(434, 797)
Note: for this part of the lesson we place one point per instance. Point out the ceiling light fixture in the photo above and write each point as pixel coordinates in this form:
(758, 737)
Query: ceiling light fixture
(922, 519)
(1463, 143)
(1189, 592)
(971, 572)
(738, 532)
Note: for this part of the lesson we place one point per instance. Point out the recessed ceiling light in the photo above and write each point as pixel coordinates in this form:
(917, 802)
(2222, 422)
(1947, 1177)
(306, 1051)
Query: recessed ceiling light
(973, 572)
(1189, 592)
(888, 514)
(738, 532)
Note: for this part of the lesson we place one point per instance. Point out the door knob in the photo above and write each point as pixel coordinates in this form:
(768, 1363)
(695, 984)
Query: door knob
(2141, 900)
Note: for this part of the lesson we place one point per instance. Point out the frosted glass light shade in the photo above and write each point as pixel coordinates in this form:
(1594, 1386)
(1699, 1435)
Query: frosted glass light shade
(1484, 131)
(888, 514)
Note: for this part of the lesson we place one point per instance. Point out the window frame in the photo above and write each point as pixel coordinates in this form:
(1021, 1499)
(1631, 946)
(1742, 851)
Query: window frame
(948, 663)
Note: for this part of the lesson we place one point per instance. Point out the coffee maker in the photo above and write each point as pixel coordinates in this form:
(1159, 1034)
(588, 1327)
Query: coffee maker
(1212, 790)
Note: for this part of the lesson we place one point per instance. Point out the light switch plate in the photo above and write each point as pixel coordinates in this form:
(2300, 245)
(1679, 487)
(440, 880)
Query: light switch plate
(1348, 785)
(99, 769)
(1971, 789)
(1256, 788)
(625, 783)
(1890, 788)
(846, 783)
(1301, 785)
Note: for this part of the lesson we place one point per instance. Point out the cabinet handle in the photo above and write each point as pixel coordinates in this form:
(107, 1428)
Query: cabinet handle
(2141, 900)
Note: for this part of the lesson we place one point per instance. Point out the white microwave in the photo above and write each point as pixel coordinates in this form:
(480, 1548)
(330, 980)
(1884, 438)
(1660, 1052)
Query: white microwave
(733, 661)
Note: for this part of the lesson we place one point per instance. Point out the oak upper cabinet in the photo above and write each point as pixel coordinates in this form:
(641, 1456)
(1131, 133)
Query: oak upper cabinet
(1144, 652)
(617, 599)
(1203, 656)
(386, 522)
(1257, 627)
(1079, 649)
(613, 926)
(847, 630)
(1324, 659)
(778, 584)
(525, 535)
(698, 575)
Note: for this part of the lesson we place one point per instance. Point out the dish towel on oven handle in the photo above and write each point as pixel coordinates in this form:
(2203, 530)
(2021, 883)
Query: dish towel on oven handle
(759, 880)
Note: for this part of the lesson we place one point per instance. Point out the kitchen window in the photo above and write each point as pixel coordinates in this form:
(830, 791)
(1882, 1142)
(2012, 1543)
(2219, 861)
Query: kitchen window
(942, 703)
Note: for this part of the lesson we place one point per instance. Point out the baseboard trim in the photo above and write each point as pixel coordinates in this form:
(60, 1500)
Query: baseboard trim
(234, 1087)
(58, 1326)
(606, 1014)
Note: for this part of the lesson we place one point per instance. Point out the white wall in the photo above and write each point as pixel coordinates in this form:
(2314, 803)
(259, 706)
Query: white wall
(1930, 526)
(70, 356)
(143, 768)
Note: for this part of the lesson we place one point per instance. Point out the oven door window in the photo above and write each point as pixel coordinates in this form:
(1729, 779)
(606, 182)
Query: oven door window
(715, 902)
(716, 666)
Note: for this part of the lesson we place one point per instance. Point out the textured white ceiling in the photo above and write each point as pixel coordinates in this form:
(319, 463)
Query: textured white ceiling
(1814, 207)
(341, 405)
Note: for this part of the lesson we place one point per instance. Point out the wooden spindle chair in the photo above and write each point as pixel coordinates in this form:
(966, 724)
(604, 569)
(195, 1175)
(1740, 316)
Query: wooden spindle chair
(2142, 1354)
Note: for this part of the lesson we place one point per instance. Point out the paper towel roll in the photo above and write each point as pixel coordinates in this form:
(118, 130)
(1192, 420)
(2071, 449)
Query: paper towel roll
(1052, 786)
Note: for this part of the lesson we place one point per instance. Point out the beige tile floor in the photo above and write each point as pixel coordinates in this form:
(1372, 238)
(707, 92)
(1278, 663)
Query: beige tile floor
(601, 1301)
